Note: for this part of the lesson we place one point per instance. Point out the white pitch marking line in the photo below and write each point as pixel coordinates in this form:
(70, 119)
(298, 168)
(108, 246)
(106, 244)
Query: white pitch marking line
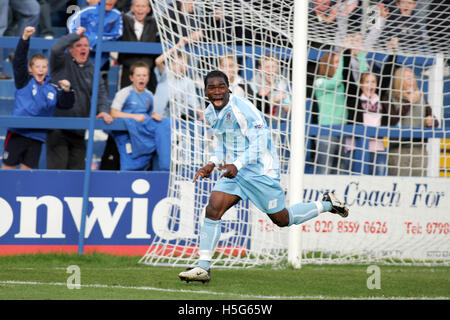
(244, 296)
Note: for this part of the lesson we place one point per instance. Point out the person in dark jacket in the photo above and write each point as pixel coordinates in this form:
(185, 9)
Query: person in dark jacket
(36, 96)
(66, 149)
(402, 29)
(139, 26)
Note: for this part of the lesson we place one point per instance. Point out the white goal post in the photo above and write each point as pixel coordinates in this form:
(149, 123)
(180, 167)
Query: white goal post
(297, 155)
(381, 151)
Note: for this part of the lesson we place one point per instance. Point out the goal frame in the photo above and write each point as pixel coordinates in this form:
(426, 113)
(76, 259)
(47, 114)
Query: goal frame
(297, 245)
(297, 159)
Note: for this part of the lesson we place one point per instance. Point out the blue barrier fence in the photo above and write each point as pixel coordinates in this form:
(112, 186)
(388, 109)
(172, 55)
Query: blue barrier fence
(91, 127)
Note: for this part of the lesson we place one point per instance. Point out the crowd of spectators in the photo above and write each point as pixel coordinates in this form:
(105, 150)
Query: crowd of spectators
(344, 86)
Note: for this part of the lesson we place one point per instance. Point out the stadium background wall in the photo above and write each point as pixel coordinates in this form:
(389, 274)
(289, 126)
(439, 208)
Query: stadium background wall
(125, 209)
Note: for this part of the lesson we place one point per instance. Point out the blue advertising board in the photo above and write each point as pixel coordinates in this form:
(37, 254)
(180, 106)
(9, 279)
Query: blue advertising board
(40, 211)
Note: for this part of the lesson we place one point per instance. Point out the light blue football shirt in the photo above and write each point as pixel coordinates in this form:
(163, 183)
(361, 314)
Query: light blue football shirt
(243, 138)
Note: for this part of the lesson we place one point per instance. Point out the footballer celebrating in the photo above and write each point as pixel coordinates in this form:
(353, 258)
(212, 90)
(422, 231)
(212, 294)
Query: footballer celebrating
(250, 170)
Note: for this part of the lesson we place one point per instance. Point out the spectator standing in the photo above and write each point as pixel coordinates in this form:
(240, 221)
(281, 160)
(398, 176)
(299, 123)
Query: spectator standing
(183, 90)
(318, 20)
(440, 12)
(45, 17)
(217, 18)
(123, 5)
(402, 29)
(182, 18)
(140, 26)
(373, 113)
(323, 17)
(3, 27)
(69, 59)
(36, 96)
(438, 29)
(15, 15)
(147, 131)
(355, 63)
(23, 13)
(329, 92)
(351, 11)
(386, 67)
(409, 108)
(88, 18)
(335, 20)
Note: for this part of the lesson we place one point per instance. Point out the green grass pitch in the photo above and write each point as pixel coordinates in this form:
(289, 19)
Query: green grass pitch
(105, 277)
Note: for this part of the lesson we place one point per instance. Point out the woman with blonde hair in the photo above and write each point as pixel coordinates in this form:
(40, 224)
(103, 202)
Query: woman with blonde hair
(271, 89)
(409, 108)
(229, 66)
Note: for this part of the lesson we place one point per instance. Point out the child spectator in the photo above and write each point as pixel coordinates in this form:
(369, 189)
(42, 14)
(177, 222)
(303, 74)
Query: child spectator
(35, 96)
(372, 112)
(354, 64)
(229, 66)
(182, 88)
(147, 130)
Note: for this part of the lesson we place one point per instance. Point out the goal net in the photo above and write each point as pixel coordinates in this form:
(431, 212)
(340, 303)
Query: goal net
(375, 111)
